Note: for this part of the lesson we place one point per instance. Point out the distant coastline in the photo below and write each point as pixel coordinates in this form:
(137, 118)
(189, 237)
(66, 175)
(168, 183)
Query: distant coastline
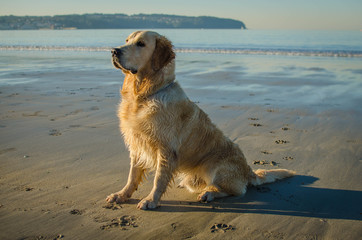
(116, 21)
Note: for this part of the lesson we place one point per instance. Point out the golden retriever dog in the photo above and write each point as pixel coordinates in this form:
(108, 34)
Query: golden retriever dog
(167, 133)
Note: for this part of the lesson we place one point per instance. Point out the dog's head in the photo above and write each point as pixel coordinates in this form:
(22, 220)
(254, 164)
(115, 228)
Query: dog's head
(143, 51)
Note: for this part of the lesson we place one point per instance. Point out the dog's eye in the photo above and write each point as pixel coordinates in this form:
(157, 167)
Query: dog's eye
(140, 44)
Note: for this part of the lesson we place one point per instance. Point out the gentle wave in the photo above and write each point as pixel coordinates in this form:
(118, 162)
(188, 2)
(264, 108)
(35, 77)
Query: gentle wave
(54, 48)
(274, 52)
(283, 52)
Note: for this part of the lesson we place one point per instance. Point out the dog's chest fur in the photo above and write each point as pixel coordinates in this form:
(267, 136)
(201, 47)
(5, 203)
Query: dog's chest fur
(140, 131)
(149, 125)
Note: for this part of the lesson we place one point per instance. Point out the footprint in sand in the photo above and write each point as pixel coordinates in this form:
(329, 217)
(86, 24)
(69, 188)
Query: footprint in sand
(76, 212)
(55, 132)
(34, 114)
(253, 119)
(174, 226)
(94, 108)
(39, 237)
(266, 152)
(13, 94)
(221, 228)
(288, 158)
(123, 222)
(256, 124)
(264, 162)
(281, 142)
(24, 188)
(112, 206)
(75, 126)
(72, 113)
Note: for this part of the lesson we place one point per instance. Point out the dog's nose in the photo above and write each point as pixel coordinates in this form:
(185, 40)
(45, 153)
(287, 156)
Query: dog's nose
(116, 52)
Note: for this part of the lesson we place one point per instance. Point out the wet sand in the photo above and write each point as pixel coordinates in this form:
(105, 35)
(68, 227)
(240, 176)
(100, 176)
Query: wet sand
(61, 155)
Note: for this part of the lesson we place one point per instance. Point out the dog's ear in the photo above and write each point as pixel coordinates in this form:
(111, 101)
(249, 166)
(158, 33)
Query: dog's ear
(163, 53)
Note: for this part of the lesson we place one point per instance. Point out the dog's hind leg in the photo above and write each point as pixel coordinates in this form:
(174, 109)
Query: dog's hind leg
(192, 183)
(210, 193)
(223, 183)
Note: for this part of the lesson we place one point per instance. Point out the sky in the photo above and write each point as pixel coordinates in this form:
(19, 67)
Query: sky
(256, 14)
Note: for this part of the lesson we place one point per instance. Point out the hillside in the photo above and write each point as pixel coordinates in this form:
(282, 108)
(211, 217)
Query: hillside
(115, 21)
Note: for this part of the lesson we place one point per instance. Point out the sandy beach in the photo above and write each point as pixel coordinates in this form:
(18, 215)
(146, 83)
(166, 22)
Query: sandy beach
(62, 154)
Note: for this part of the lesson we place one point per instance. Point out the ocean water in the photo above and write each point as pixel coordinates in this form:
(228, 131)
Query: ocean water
(296, 43)
(311, 69)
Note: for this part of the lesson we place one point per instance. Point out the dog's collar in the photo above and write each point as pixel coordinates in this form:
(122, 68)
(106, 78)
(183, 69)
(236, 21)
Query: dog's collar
(162, 89)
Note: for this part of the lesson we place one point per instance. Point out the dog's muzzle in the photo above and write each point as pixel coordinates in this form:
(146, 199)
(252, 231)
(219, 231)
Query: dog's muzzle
(116, 56)
(116, 52)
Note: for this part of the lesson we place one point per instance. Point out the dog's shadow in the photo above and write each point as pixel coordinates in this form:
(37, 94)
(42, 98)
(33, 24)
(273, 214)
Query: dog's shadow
(290, 197)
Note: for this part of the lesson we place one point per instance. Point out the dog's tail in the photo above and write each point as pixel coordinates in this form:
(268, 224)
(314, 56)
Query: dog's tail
(262, 176)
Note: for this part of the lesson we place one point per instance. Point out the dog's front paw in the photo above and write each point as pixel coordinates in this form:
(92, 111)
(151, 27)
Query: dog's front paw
(146, 203)
(118, 197)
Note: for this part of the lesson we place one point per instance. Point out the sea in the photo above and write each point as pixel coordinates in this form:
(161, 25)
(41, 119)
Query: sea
(280, 68)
